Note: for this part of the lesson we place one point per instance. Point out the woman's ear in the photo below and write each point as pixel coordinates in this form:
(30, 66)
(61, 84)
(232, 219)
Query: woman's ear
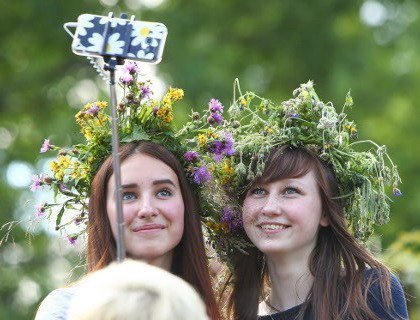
(324, 221)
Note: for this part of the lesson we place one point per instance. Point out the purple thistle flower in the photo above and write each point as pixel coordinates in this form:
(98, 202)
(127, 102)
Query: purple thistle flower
(229, 150)
(93, 110)
(223, 147)
(215, 118)
(232, 218)
(155, 110)
(146, 92)
(126, 79)
(215, 106)
(191, 156)
(40, 209)
(37, 181)
(397, 192)
(63, 188)
(201, 175)
(131, 67)
(46, 146)
(72, 239)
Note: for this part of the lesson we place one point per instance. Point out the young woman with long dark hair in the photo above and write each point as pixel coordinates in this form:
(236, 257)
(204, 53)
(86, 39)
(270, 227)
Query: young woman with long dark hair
(160, 209)
(291, 202)
(304, 255)
(162, 222)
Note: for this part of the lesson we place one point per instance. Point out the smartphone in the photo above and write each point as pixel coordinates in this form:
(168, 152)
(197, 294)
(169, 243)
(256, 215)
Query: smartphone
(116, 37)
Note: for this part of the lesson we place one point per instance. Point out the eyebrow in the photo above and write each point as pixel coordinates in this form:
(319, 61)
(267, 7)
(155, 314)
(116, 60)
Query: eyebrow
(155, 182)
(163, 181)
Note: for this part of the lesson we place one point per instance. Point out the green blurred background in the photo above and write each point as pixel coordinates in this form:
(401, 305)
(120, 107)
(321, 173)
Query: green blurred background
(370, 47)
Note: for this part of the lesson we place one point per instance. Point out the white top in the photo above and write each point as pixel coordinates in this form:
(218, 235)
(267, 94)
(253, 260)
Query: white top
(55, 306)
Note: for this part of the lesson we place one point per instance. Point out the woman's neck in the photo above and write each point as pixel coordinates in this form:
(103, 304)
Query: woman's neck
(290, 280)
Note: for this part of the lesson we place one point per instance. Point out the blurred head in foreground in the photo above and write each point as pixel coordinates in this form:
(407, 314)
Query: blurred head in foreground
(135, 290)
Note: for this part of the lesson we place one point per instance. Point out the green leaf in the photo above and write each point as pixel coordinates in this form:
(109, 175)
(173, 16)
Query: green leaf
(137, 134)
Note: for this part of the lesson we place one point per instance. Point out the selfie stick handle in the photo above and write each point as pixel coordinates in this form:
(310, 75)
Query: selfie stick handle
(110, 65)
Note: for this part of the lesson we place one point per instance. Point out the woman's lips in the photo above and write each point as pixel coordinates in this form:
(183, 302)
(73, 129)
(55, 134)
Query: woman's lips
(149, 227)
(272, 227)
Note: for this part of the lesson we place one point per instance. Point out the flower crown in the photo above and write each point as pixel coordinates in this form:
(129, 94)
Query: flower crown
(139, 118)
(230, 155)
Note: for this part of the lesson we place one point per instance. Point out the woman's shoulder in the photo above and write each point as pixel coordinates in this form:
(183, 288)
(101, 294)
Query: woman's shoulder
(56, 304)
(376, 301)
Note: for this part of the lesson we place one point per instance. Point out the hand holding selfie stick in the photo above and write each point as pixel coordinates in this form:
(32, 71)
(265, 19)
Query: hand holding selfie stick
(115, 39)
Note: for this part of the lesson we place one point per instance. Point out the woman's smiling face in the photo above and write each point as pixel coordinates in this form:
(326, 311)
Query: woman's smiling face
(284, 215)
(153, 209)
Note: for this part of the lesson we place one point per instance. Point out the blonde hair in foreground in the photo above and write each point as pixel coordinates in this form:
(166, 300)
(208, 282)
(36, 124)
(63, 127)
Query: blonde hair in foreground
(135, 290)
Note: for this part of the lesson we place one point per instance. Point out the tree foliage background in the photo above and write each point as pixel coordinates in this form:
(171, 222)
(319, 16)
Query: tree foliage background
(371, 47)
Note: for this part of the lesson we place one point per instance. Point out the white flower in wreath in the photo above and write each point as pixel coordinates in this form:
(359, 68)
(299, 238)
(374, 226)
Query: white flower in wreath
(142, 33)
(114, 46)
(328, 120)
(84, 23)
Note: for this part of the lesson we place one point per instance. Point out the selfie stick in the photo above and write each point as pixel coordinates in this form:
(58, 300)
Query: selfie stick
(110, 65)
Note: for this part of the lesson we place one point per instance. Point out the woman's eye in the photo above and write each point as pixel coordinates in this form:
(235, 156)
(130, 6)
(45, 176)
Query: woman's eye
(128, 196)
(258, 191)
(164, 193)
(290, 190)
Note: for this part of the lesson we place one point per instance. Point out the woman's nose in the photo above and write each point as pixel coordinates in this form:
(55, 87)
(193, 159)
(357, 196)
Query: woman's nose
(272, 206)
(146, 209)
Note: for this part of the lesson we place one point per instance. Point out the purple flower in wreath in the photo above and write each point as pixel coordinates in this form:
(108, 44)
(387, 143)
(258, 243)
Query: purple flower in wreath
(93, 110)
(201, 175)
(131, 67)
(215, 118)
(232, 218)
(215, 106)
(191, 156)
(46, 146)
(40, 209)
(221, 148)
(72, 239)
(126, 79)
(37, 181)
(145, 92)
(397, 192)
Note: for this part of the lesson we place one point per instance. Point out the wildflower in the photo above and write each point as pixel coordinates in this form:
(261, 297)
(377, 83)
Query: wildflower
(145, 92)
(223, 147)
(72, 239)
(40, 209)
(93, 110)
(46, 146)
(63, 188)
(236, 124)
(155, 110)
(131, 67)
(232, 218)
(58, 167)
(126, 79)
(195, 116)
(397, 192)
(174, 94)
(201, 175)
(165, 113)
(215, 106)
(215, 118)
(191, 156)
(202, 140)
(37, 181)
(294, 115)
